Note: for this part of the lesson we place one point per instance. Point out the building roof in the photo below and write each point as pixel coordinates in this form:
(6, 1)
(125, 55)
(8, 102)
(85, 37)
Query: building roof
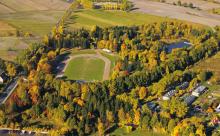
(190, 99)
(200, 89)
(170, 93)
(1, 71)
(184, 85)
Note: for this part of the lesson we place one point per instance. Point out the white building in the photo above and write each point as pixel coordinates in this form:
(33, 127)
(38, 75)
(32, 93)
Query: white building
(218, 108)
(107, 50)
(168, 95)
(199, 90)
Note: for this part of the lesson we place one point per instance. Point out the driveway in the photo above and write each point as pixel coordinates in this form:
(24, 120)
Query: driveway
(177, 12)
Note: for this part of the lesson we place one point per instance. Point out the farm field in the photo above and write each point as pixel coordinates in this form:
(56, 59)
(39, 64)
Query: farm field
(202, 4)
(177, 12)
(35, 17)
(88, 69)
(32, 5)
(37, 23)
(89, 18)
(10, 47)
(6, 29)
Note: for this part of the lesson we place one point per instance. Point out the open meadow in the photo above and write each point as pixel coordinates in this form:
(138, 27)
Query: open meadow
(210, 64)
(103, 18)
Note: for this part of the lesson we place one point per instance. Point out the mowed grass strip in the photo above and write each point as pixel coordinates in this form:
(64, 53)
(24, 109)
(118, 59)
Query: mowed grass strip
(88, 69)
(85, 51)
(103, 18)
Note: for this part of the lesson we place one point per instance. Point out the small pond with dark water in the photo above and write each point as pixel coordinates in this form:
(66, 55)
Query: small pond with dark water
(182, 44)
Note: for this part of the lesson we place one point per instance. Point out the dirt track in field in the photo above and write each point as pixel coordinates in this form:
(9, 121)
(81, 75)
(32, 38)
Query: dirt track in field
(177, 12)
(107, 68)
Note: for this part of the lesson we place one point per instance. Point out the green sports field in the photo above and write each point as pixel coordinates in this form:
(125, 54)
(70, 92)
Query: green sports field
(88, 69)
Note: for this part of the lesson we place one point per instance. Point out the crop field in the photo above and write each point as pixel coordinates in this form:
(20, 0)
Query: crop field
(33, 5)
(37, 23)
(36, 17)
(103, 18)
(33, 16)
(6, 29)
(88, 69)
(10, 47)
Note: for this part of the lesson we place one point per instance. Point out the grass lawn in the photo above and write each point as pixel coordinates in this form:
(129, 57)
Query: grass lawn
(103, 18)
(85, 51)
(88, 69)
(122, 132)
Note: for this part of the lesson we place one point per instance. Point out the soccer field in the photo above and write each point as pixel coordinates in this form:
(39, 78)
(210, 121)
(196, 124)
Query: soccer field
(88, 69)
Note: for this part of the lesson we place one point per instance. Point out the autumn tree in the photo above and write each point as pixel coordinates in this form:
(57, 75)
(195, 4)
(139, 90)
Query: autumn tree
(101, 128)
(142, 92)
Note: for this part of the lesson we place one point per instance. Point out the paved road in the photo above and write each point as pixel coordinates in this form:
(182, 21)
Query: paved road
(177, 12)
(107, 68)
(9, 131)
(9, 90)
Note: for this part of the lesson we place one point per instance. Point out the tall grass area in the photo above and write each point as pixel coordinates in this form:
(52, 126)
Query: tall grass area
(87, 18)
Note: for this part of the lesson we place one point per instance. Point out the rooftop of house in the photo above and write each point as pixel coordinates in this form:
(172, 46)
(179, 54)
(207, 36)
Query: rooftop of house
(170, 93)
(190, 99)
(1, 72)
(199, 89)
(184, 85)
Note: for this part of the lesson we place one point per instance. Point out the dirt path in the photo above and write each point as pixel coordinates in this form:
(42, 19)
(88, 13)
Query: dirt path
(98, 55)
(177, 12)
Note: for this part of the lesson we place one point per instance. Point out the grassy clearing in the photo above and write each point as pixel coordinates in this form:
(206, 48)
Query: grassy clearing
(103, 18)
(210, 64)
(88, 69)
(122, 132)
(86, 51)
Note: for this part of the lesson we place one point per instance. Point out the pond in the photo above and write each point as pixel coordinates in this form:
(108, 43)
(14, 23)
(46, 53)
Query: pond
(182, 44)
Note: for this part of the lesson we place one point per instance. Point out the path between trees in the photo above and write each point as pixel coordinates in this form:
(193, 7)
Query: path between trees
(98, 55)
(177, 12)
